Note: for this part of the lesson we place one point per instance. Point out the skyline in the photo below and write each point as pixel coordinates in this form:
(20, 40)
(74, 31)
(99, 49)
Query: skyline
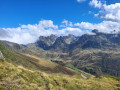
(23, 21)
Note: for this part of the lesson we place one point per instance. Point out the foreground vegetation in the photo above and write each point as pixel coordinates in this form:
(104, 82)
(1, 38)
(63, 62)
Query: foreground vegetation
(16, 77)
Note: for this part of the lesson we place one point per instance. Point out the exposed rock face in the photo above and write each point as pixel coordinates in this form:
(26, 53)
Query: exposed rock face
(69, 43)
(46, 42)
(70, 39)
(1, 55)
(60, 45)
(55, 43)
(99, 40)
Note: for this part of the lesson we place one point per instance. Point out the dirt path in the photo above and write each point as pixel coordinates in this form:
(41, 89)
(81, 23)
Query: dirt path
(83, 76)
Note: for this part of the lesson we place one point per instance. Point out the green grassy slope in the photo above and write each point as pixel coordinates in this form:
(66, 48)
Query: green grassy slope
(19, 78)
(32, 63)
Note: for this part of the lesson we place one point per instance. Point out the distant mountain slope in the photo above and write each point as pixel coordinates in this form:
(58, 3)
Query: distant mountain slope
(11, 45)
(99, 40)
(54, 43)
(68, 43)
(45, 42)
(98, 61)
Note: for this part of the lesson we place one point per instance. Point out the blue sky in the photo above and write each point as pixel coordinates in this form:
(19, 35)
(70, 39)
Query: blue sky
(15, 12)
(30, 19)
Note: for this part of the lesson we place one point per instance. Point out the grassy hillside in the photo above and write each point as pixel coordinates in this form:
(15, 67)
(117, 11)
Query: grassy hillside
(27, 72)
(33, 63)
(16, 77)
(33, 50)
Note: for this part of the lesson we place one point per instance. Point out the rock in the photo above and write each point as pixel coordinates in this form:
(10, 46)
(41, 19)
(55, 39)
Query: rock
(1, 55)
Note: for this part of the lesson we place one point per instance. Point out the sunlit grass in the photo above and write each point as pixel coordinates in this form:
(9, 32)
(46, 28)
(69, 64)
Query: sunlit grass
(17, 77)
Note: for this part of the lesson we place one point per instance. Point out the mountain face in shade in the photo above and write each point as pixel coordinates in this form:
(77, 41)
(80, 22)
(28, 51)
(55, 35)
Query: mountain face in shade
(62, 43)
(98, 40)
(59, 45)
(55, 43)
(70, 39)
(11, 45)
(45, 42)
(71, 42)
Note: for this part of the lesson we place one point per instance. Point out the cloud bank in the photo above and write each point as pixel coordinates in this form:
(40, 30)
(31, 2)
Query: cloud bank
(30, 33)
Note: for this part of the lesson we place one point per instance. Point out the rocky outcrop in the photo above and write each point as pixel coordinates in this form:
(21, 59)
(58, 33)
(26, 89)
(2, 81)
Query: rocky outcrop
(1, 55)
(46, 42)
(55, 43)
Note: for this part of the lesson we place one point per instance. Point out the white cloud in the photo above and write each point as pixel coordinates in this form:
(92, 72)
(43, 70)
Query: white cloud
(105, 26)
(96, 3)
(96, 15)
(4, 33)
(30, 33)
(89, 12)
(107, 12)
(81, 1)
(111, 12)
(66, 23)
(110, 15)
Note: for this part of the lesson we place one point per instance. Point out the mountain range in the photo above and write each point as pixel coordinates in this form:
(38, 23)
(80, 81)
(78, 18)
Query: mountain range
(86, 52)
(77, 56)
(69, 43)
